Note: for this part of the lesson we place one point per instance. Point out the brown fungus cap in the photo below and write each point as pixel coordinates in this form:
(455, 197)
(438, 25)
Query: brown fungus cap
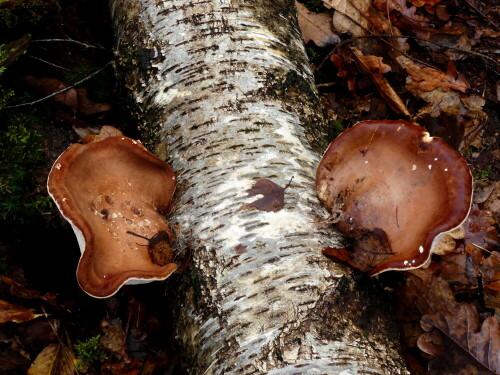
(390, 179)
(104, 189)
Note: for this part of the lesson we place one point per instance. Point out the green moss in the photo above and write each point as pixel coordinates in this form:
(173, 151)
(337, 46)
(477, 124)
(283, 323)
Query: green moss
(90, 351)
(312, 54)
(482, 174)
(21, 152)
(24, 13)
(335, 128)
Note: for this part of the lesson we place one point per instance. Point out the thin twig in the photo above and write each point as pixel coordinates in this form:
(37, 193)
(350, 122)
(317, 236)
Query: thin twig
(372, 34)
(86, 78)
(482, 15)
(484, 249)
(68, 41)
(55, 65)
(408, 37)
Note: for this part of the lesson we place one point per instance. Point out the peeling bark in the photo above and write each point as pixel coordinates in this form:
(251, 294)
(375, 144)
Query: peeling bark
(226, 95)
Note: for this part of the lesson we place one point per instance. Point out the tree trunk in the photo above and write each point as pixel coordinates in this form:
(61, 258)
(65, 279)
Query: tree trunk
(226, 96)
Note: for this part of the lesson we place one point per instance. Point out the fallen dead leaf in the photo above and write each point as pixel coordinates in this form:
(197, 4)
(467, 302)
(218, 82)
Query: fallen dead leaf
(374, 68)
(113, 338)
(360, 18)
(343, 63)
(480, 229)
(349, 15)
(10, 312)
(445, 94)
(421, 3)
(429, 79)
(76, 100)
(316, 27)
(273, 198)
(423, 292)
(401, 15)
(54, 359)
(458, 341)
(492, 204)
(483, 190)
(369, 249)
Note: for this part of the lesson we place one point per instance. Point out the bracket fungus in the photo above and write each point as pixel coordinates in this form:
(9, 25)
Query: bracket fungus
(105, 189)
(398, 190)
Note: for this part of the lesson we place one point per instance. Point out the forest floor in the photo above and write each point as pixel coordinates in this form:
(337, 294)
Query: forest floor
(430, 62)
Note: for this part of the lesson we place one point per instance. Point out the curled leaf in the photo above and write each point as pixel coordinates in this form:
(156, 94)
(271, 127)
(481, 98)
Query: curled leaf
(10, 312)
(374, 67)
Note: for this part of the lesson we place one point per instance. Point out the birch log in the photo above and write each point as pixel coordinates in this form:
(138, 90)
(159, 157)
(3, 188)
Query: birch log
(226, 95)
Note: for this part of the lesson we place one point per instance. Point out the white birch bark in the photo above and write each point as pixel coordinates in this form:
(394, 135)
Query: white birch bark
(227, 96)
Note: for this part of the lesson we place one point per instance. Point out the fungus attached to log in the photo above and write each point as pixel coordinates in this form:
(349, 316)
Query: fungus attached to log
(394, 182)
(106, 189)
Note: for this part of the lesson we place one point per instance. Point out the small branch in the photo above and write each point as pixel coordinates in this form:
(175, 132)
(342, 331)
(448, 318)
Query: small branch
(86, 78)
(68, 41)
(482, 15)
(55, 65)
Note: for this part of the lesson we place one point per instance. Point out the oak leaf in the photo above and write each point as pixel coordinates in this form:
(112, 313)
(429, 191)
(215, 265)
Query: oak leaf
(316, 27)
(452, 334)
(429, 79)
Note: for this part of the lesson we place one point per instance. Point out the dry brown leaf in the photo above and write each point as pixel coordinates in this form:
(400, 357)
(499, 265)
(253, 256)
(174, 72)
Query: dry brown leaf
(493, 202)
(421, 3)
(491, 271)
(344, 65)
(368, 249)
(316, 27)
(459, 271)
(401, 15)
(113, 338)
(10, 312)
(447, 243)
(445, 94)
(483, 190)
(450, 330)
(360, 18)
(429, 79)
(350, 15)
(480, 229)
(273, 198)
(374, 67)
(416, 298)
(54, 359)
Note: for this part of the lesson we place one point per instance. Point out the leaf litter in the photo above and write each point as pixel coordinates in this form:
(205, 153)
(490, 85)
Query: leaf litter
(433, 62)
